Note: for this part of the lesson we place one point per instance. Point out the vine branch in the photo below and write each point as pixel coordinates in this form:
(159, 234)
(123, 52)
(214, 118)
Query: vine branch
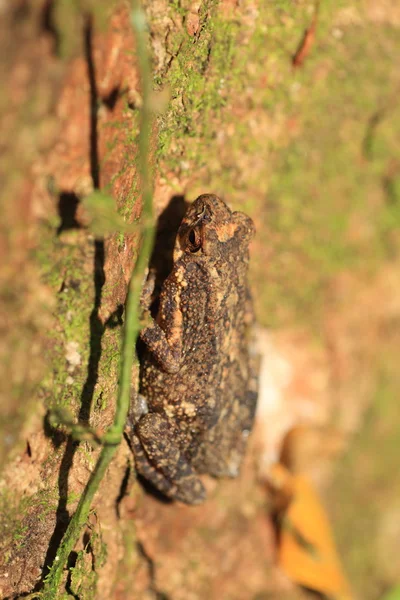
(132, 322)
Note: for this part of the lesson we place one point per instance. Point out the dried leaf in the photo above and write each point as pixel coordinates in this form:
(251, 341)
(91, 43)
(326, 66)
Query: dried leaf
(307, 552)
(307, 42)
(306, 446)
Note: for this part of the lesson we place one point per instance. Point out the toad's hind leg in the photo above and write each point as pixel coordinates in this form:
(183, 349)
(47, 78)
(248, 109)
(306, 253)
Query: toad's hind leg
(160, 460)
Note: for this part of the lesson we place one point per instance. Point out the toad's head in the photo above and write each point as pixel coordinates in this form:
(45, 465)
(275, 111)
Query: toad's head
(211, 229)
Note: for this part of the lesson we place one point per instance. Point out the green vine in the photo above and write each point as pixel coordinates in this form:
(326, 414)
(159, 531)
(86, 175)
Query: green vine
(132, 325)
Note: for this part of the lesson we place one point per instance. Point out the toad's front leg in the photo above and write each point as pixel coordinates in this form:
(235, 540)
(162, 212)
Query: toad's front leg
(161, 461)
(163, 336)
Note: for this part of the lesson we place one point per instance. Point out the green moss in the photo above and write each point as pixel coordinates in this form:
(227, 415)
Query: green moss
(62, 270)
(327, 198)
(11, 524)
(84, 574)
(130, 557)
(196, 78)
(67, 268)
(302, 153)
(17, 516)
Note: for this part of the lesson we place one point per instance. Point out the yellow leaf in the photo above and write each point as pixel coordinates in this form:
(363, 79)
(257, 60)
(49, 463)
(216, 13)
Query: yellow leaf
(307, 552)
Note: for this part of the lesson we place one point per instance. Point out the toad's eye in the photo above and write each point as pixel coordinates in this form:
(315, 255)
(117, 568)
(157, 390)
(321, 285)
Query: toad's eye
(194, 240)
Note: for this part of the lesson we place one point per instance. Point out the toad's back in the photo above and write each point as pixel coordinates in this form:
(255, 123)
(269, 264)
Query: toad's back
(196, 374)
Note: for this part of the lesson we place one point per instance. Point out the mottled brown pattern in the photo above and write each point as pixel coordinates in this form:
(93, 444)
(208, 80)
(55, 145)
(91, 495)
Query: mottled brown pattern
(198, 389)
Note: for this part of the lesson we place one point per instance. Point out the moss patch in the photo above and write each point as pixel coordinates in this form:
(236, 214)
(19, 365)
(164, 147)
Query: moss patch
(290, 146)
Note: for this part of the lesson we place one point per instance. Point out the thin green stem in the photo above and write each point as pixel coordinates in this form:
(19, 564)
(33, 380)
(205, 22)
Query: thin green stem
(132, 321)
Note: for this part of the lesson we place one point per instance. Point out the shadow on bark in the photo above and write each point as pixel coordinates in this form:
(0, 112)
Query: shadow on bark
(67, 207)
(161, 262)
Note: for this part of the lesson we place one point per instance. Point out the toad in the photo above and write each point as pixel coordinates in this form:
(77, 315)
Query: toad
(198, 387)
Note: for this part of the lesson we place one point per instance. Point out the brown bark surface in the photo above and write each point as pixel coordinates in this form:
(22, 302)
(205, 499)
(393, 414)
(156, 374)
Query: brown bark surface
(230, 114)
